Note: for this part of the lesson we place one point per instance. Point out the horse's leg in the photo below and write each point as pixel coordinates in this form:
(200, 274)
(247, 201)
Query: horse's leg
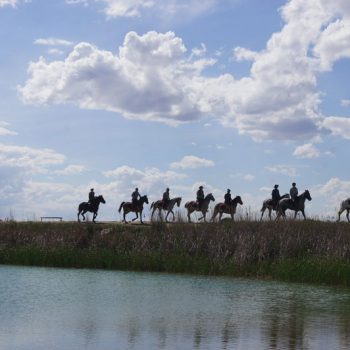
(302, 211)
(94, 217)
(204, 216)
(137, 216)
(270, 210)
(295, 214)
(82, 214)
(188, 215)
(154, 209)
(220, 216)
(78, 216)
(262, 212)
(141, 217)
(124, 213)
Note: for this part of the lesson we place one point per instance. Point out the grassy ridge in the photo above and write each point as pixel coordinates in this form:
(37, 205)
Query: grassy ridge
(310, 251)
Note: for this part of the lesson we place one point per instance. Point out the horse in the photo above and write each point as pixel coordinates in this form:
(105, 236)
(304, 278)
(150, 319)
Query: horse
(297, 205)
(159, 205)
(93, 207)
(269, 204)
(128, 207)
(193, 206)
(222, 208)
(345, 205)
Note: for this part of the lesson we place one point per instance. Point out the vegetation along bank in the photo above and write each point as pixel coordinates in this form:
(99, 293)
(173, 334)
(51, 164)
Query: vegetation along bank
(301, 251)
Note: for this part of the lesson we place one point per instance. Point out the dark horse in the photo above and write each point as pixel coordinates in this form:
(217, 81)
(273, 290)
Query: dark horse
(222, 208)
(128, 207)
(160, 206)
(297, 205)
(93, 208)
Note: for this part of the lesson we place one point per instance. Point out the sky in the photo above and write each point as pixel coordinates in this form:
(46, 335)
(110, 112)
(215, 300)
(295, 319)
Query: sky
(118, 94)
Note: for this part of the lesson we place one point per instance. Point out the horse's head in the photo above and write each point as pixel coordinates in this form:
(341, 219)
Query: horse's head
(178, 201)
(238, 200)
(144, 199)
(210, 197)
(101, 199)
(307, 195)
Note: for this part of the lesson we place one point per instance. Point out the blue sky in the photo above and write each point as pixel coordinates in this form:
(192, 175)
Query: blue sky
(114, 94)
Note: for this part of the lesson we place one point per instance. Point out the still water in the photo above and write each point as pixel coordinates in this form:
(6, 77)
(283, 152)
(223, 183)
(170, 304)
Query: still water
(44, 308)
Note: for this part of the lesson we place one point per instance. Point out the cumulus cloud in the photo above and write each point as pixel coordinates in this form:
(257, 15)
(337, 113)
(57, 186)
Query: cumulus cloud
(191, 162)
(345, 103)
(307, 150)
(338, 126)
(154, 77)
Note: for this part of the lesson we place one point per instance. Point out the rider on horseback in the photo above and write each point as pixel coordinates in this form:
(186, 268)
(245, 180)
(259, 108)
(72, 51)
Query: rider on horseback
(275, 196)
(228, 198)
(200, 197)
(166, 198)
(293, 192)
(135, 197)
(91, 197)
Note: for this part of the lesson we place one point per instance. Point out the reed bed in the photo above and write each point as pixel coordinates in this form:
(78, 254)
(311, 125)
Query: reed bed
(303, 251)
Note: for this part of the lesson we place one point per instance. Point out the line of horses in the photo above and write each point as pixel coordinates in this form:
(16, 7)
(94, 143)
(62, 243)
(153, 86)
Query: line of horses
(284, 204)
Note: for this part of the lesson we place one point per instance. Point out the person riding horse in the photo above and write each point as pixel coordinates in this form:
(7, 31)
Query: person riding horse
(200, 197)
(275, 196)
(228, 198)
(293, 192)
(91, 197)
(166, 198)
(135, 197)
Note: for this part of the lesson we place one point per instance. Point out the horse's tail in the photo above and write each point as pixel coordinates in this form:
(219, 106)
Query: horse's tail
(121, 206)
(152, 205)
(187, 205)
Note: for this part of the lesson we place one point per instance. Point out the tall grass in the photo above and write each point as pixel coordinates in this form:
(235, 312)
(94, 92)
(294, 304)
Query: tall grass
(305, 251)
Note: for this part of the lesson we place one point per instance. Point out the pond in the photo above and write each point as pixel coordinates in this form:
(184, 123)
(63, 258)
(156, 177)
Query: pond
(47, 308)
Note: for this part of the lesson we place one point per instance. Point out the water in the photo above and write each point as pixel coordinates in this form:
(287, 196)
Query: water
(43, 308)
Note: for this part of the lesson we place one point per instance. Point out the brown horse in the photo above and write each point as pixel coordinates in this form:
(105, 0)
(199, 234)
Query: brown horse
(128, 207)
(222, 208)
(193, 206)
(269, 204)
(159, 205)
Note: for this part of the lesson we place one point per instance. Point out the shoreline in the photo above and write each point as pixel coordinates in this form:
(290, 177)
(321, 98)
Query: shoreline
(291, 251)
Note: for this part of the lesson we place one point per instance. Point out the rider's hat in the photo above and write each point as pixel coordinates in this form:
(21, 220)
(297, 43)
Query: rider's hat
(275, 186)
(91, 189)
(228, 190)
(200, 186)
(293, 184)
(136, 189)
(167, 188)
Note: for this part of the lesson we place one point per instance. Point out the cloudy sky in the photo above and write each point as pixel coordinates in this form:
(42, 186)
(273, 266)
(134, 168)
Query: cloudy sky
(113, 94)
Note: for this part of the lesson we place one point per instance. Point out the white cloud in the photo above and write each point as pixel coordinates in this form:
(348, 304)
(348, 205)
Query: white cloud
(4, 130)
(191, 162)
(71, 170)
(12, 3)
(53, 42)
(241, 54)
(153, 77)
(35, 160)
(338, 126)
(283, 169)
(249, 177)
(345, 103)
(307, 150)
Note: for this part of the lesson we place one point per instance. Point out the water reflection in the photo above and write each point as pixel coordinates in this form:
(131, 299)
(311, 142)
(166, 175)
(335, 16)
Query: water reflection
(55, 309)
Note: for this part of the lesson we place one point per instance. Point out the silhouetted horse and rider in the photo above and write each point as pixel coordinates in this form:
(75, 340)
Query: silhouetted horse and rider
(136, 205)
(92, 206)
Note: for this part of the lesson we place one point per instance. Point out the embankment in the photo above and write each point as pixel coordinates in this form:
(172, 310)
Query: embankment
(310, 251)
